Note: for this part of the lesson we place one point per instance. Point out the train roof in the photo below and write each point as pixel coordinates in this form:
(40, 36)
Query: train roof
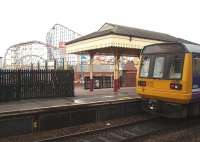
(194, 48)
(171, 47)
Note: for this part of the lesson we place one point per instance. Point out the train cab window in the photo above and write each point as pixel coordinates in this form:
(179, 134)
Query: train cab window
(159, 67)
(176, 65)
(145, 63)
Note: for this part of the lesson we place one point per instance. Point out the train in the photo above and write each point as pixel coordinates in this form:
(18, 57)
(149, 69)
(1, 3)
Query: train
(168, 79)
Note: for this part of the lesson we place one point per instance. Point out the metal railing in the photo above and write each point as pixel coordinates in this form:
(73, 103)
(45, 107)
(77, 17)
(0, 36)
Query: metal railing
(25, 84)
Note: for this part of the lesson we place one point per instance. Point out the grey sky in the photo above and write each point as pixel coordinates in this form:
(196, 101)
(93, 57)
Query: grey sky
(25, 20)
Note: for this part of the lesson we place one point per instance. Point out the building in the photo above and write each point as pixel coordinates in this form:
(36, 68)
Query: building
(118, 41)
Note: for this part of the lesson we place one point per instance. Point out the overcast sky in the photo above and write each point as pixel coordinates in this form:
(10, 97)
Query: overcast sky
(25, 20)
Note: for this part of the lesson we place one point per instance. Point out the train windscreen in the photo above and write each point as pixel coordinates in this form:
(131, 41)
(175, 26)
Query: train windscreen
(162, 66)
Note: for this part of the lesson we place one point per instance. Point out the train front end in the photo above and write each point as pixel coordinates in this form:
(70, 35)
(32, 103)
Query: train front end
(164, 79)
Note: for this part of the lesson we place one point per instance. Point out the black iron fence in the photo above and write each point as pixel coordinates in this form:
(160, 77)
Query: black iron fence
(25, 84)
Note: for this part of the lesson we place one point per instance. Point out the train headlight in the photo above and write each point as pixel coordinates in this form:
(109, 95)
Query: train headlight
(175, 86)
(141, 83)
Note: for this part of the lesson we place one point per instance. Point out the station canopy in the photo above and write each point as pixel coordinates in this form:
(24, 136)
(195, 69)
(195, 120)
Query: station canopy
(129, 41)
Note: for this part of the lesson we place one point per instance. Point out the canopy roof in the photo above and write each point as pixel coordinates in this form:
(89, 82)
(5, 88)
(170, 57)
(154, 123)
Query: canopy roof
(111, 36)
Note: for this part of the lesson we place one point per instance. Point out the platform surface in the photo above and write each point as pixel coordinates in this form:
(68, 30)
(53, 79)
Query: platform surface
(82, 98)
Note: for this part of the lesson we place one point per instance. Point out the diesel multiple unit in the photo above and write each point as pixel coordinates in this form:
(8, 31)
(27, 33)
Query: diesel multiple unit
(168, 79)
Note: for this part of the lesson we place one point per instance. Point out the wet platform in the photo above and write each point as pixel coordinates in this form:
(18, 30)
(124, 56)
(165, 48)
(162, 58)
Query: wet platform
(124, 90)
(101, 97)
(34, 115)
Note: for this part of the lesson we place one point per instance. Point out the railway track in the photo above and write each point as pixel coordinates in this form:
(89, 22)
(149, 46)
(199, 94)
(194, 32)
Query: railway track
(134, 131)
(114, 133)
(180, 130)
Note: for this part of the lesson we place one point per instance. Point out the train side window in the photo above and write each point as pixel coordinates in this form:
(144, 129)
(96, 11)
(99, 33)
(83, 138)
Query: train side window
(196, 71)
(196, 66)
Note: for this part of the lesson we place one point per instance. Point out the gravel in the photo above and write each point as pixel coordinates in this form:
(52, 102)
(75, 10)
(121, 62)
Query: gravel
(76, 129)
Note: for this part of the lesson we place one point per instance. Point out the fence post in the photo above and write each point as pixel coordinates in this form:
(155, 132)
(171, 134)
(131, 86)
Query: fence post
(38, 64)
(18, 85)
(63, 63)
(55, 64)
(46, 65)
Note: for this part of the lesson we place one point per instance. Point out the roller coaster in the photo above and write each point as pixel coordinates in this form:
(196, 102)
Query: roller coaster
(29, 54)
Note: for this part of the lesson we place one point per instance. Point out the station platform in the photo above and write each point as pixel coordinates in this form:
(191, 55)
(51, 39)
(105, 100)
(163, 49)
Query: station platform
(33, 115)
(79, 91)
(82, 99)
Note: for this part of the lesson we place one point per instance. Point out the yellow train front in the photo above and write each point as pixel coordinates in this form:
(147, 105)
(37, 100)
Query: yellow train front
(168, 79)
